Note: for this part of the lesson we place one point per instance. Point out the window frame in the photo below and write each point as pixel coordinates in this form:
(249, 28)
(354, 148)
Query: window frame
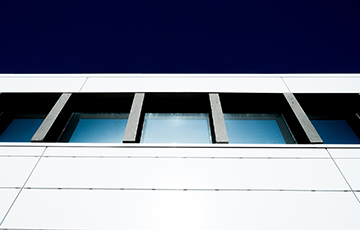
(266, 103)
(174, 103)
(70, 103)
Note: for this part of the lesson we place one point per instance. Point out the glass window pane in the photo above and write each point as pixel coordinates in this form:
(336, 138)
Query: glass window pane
(335, 132)
(21, 130)
(176, 128)
(96, 128)
(257, 129)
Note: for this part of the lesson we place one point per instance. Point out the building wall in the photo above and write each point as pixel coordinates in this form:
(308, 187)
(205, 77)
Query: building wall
(182, 186)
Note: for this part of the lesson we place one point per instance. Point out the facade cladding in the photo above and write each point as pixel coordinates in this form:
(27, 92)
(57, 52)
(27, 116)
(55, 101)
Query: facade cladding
(180, 151)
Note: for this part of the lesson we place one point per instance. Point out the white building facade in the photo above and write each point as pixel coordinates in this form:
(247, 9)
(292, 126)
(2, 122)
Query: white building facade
(304, 183)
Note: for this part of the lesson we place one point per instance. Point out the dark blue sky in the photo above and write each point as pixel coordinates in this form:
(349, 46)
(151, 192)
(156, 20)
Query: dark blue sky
(252, 36)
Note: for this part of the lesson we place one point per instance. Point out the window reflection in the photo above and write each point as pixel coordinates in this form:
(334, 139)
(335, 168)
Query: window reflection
(22, 128)
(176, 128)
(335, 131)
(96, 128)
(257, 129)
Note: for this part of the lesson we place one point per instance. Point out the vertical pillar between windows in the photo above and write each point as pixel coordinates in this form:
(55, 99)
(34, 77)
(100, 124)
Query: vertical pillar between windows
(218, 119)
(132, 125)
(310, 131)
(46, 125)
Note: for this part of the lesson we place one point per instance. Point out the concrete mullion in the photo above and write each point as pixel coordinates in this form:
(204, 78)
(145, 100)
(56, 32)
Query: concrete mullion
(310, 131)
(50, 119)
(132, 126)
(218, 119)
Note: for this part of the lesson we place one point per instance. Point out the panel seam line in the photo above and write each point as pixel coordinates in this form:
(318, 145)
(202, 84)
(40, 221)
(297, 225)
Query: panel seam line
(343, 176)
(84, 84)
(188, 189)
(12, 204)
(285, 84)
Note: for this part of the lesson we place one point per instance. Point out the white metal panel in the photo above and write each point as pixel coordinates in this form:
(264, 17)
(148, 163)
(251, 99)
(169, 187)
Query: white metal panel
(187, 173)
(188, 152)
(7, 197)
(41, 84)
(21, 151)
(15, 170)
(323, 85)
(345, 153)
(64, 209)
(263, 85)
(351, 171)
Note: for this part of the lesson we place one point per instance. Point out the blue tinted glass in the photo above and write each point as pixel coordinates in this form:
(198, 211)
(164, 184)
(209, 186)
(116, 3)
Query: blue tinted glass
(253, 129)
(335, 132)
(176, 128)
(21, 130)
(99, 130)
